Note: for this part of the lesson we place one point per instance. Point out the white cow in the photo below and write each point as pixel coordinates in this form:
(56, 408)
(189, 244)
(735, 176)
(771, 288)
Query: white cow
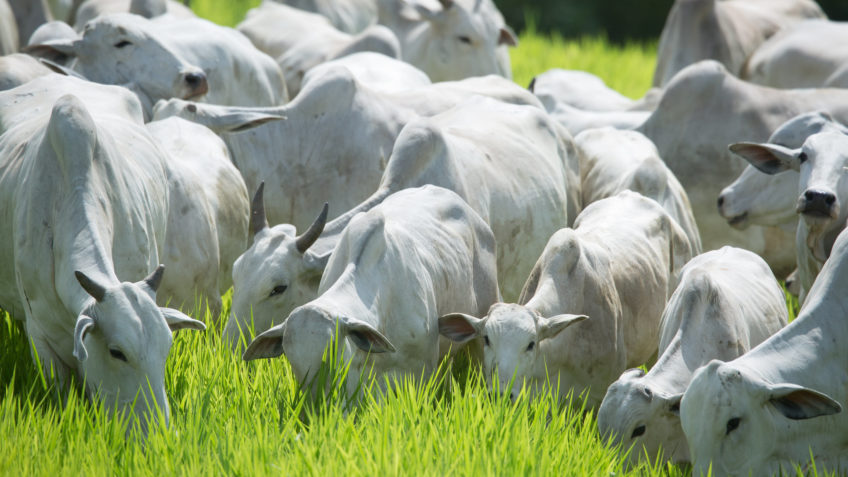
(350, 16)
(83, 194)
(380, 72)
(300, 40)
(780, 403)
(91, 9)
(727, 302)
(450, 39)
(704, 109)
(511, 163)
(208, 215)
(615, 269)
(821, 192)
(794, 58)
(728, 31)
(397, 268)
(170, 58)
(613, 160)
(580, 90)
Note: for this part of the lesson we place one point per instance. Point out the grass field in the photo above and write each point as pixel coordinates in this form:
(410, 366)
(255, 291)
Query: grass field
(235, 418)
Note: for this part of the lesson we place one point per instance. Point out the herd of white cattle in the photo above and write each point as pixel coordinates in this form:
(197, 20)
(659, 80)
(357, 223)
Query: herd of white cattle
(557, 229)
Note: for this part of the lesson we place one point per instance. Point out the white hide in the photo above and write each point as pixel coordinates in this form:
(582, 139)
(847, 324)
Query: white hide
(780, 403)
(380, 72)
(702, 111)
(617, 267)
(450, 39)
(397, 268)
(9, 41)
(516, 168)
(18, 68)
(612, 161)
(83, 189)
(207, 219)
(727, 302)
(91, 9)
(796, 58)
(578, 89)
(350, 16)
(174, 58)
(27, 16)
(727, 31)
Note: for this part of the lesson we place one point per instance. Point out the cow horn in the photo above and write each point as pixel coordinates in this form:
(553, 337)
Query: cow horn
(155, 278)
(91, 287)
(306, 239)
(258, 221)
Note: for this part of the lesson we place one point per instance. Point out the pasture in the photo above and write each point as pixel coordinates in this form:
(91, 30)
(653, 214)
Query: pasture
(229, 417)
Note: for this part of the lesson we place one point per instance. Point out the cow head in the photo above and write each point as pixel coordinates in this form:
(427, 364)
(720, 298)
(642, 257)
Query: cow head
(305, 336)
(122, 340)
(731, 419)
(123, 49)
(455, 41)
(513, 341)
(823, 183)
(277, 273)
(633, 413)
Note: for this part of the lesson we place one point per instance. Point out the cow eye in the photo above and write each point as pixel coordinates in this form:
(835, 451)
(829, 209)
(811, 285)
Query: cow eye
(277, 290)
(486, 340)
(123, 43)
(117, 354)
(464, 39)
(638, 431)
(732, 425)
(802, 157)
(531, 346)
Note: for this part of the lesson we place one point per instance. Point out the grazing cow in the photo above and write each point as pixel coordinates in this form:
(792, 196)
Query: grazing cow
(704, 109)
(18, 68)
(451, 39)
(794, 58)
(349, 16)
(616, 267)
(208, 215)
(614, 160)
(83, 191)
(727, 302)
(397, 268)
(170, 58)
(780, 403)
(91, 9)
(516, 168)
(724, 30)
(821, 192)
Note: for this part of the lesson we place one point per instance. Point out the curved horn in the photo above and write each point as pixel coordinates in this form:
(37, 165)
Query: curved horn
(155, 278)
(258, 222)
(306, 239)
(94, 289)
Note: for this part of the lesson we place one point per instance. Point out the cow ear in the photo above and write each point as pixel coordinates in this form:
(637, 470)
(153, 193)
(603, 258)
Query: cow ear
(62, 70)
(177, 320)
(268, 344)
(769, 158)
(507, 37)
(84, 324)
(64, 46)
(671, 403)
(459, 327)
(550, 327)
(797, 402)
(365, 336)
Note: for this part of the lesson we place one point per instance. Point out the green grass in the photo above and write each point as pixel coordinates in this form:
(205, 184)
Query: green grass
(229, 417)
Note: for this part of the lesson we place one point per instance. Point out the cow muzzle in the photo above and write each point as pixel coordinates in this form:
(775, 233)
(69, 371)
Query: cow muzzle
(196, 84)
(818, 204)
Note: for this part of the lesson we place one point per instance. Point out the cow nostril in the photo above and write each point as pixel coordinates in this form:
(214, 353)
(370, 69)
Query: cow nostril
(720, 201)
(193, 79)
(809, 195)
(829, 199)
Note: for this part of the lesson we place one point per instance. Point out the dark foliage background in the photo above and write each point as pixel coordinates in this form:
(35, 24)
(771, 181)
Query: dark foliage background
(619, 20)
